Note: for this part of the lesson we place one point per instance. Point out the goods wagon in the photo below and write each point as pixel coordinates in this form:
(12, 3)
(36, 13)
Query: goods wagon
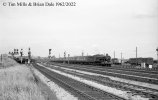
(138, 61)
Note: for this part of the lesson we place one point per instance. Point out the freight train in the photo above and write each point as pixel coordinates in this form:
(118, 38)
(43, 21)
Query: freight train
(103, 60)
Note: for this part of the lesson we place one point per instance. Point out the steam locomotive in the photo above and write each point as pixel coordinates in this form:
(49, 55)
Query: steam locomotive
(103, 60)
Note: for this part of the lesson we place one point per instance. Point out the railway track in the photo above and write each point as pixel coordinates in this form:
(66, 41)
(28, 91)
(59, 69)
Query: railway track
(125, 68)
(131, 68)
(139, 72)
(137, 90)
(81, 90)
(134, 89)
(142, 74)
(118, 67)
(102, 71)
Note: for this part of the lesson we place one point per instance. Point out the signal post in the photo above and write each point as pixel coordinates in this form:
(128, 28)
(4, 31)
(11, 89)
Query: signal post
(21, 55)
(29, 56)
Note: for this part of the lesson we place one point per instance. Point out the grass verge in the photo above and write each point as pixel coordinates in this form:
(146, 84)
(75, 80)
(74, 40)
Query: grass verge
(17, 82)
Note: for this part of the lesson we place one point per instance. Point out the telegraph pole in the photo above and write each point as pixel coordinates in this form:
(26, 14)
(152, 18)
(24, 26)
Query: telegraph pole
(136, 56)
(121, 57)
(157, 54)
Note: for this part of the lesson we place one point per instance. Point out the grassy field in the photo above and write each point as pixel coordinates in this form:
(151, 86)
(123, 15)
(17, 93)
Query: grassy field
(17, 82)
(7, 62)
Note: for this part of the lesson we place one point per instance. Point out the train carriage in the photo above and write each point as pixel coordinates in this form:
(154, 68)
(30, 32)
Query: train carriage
(94, 60)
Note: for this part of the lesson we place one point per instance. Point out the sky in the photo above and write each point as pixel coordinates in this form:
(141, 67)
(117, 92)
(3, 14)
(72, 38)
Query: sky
(92, 27)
